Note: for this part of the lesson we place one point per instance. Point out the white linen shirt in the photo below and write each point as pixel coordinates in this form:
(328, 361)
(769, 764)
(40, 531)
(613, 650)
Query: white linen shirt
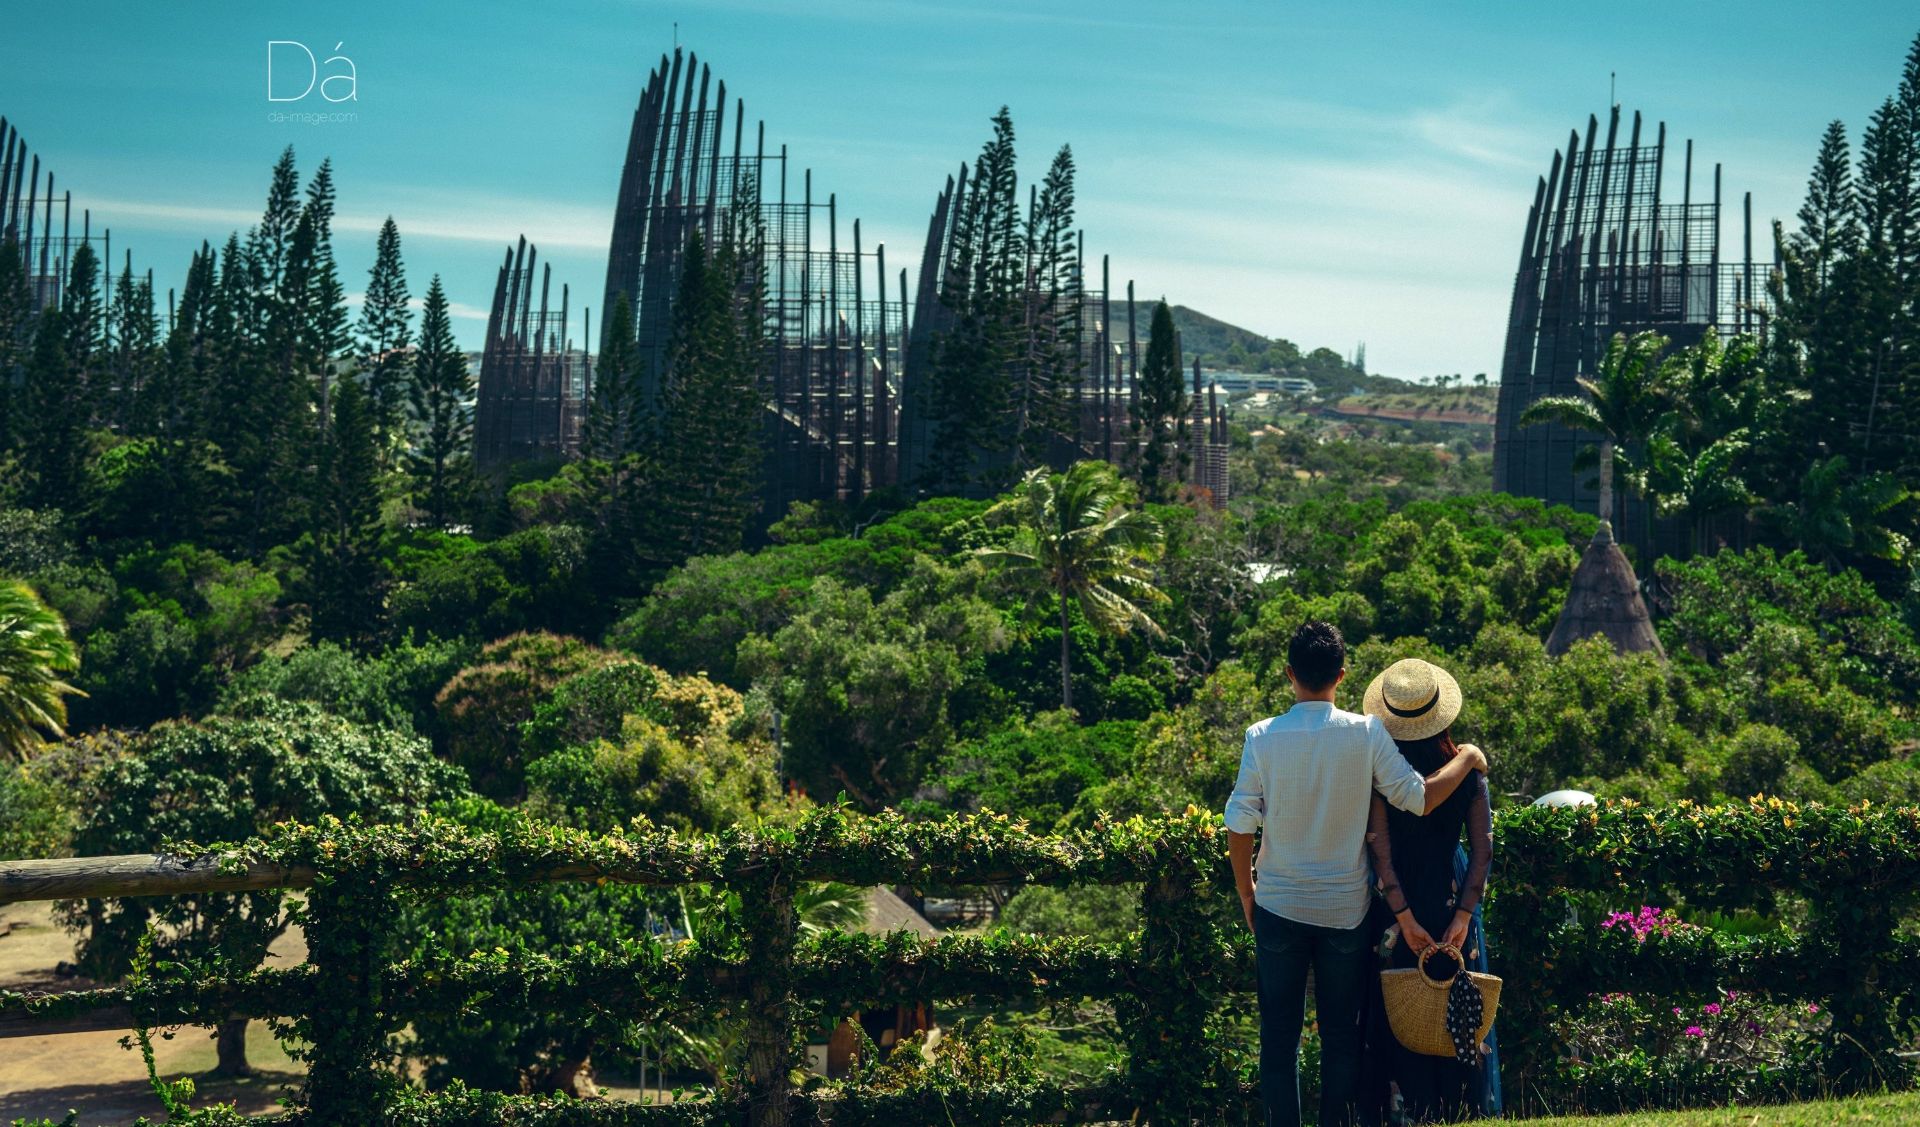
(1306, 781)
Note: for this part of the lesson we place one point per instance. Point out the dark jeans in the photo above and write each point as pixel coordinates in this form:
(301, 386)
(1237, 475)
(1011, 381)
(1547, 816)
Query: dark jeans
(1338, 957)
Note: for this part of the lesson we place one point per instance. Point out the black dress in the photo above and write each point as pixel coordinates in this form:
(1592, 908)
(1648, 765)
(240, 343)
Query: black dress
(1413, 867)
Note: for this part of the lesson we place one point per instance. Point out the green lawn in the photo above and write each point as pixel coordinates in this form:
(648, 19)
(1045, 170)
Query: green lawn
(1901, 1108)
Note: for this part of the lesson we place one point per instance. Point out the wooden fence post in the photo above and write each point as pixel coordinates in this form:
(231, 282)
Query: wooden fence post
(768, 911)
(349, 925)
(1174, 1066)
(1861, 1041)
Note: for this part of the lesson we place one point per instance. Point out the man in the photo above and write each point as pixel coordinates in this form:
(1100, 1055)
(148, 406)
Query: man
(1306, 780)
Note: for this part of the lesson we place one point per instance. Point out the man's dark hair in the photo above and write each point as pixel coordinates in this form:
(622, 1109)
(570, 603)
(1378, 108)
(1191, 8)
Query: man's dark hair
(1317, 654)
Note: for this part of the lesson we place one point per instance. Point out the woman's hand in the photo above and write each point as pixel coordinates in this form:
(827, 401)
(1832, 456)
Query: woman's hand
(1416, 936)
(1475, 756)
(1456, 936)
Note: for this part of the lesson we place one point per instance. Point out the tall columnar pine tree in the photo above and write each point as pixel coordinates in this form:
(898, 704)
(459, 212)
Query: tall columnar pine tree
(617, 470)
(282, 293)
(710, 447)
(60, 381)
(135, 343)
(318, 303)
(441, 388)
(1046, 423)
(1163, 403)
(615, 411)
(1817, 318)
(384, 333)
(983, 291)
(16, 341)
(345, 573)
(1846, 334)
(179, 417)
(1889, 227)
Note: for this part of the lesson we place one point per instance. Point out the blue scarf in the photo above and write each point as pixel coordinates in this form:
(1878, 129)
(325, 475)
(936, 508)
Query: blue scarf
(1477, 961)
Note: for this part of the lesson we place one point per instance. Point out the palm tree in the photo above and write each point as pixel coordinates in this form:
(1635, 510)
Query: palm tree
(1697, 460)
(1696, 482)
(1076, 538)
(1840, 515)
(34, 650)
(1624, 400)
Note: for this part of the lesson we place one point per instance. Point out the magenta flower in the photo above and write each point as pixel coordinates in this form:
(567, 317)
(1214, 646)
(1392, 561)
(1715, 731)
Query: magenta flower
(1712, 1009)
(1813, 1007)
(1643, 923)
(1695, 1031)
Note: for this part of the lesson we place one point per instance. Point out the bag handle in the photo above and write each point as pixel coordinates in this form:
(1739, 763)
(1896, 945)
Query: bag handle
(1459, 965)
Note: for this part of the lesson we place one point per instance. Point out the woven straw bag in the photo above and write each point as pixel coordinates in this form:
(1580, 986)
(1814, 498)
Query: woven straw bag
(1417, 1003)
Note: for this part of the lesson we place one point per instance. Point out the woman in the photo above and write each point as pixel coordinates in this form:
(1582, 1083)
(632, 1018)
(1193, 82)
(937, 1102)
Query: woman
(1428, 899)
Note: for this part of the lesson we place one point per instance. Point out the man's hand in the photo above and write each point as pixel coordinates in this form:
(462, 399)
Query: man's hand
(1240, 853)
(1416, 936)
(1456, 936)
(1475, 757)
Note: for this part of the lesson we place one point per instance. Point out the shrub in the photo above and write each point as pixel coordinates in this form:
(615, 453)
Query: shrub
(1036, 771)
(481, 709)
(593, 705)
(1762, 759)
(36, 814)
(686, 756)
(233, 776)
(396, 689)
(1720, 602)
(456, 587)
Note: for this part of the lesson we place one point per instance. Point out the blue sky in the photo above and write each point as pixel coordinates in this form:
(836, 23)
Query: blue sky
(1325, 172)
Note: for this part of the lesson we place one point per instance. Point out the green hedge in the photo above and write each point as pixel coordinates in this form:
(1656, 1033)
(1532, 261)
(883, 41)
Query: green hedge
(1856, 869)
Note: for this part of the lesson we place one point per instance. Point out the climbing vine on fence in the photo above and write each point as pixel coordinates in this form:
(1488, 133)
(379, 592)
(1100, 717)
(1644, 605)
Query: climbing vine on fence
(1855, 870)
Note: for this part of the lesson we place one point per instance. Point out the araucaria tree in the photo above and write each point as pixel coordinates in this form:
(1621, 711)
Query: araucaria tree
(384, 333)
(346, 574)
(983, 291)
(1005, 374)
(710, 430)
(1045, 419)
(1163, 403)
(440, 390)
(615, 420)
(1077, 538)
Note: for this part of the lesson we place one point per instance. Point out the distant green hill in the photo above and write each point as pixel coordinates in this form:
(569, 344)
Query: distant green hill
(1223, 345)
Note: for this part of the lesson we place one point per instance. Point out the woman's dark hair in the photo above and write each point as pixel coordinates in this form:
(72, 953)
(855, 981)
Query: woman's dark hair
(1317, 654)
(1441, 742)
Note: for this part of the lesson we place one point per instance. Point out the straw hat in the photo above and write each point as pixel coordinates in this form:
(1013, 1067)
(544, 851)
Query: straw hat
(1415, 699)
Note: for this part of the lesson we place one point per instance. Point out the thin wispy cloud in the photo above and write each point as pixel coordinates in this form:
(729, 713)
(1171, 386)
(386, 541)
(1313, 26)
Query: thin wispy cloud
(1322, 172)
(456, 309)
(497, 221)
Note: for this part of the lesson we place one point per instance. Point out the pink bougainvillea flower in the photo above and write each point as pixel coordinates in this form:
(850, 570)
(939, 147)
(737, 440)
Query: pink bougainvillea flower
(1695, 1031)
(1712, 1009)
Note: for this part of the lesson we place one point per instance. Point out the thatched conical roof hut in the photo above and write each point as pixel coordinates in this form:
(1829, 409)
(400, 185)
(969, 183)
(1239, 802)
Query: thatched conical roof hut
(1605, 599)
